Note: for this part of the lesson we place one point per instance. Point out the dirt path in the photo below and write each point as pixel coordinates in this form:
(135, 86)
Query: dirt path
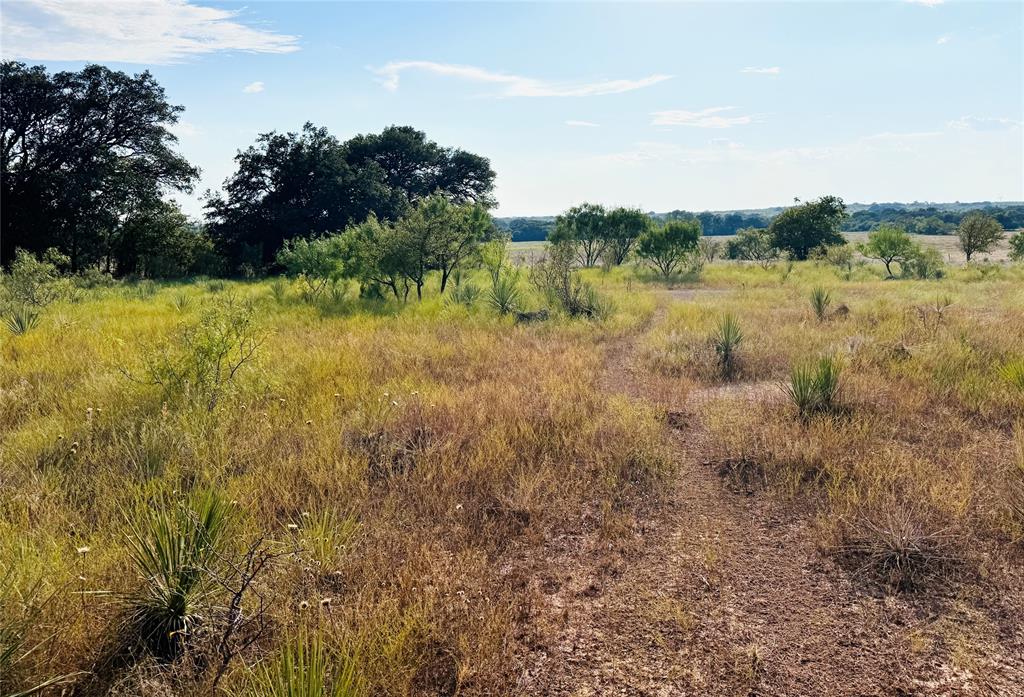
(721, 593)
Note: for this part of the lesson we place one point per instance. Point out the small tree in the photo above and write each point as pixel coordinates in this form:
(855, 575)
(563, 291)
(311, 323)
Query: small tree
(669, 246)
(317, 262)
(889, 244)
(376, 253)
(753, 244)
(585, 228)
(1017, 247)
(460, 231)
(709, 249)
(34, 282)
(800, 229)
(624, 228)
(978, 233)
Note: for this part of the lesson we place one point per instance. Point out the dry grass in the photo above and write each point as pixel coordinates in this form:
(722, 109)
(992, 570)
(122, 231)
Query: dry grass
(405, 466)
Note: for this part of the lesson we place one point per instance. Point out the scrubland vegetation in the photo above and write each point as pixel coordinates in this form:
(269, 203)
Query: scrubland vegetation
(235, 486)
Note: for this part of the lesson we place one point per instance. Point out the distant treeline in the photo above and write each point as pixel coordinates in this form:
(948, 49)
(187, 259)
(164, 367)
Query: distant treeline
(941, 219)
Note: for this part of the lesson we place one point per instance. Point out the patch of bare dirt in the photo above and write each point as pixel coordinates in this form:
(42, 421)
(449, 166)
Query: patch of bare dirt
(690, 294)
(718, 593)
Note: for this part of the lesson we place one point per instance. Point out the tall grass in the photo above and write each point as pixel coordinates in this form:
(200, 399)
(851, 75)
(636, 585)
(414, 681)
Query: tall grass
(305, 667)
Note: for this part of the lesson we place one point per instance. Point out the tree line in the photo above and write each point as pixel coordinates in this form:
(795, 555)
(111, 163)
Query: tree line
(88, 164)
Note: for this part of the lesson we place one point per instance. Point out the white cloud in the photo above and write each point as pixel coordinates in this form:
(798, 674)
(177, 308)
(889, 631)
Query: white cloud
(512, 85)
(926, 3)
(983, 123)
(775, 70)
(253, 87)
(944, 39)
(581, 124)
(185, 129)
(706, 118)
(135, 31)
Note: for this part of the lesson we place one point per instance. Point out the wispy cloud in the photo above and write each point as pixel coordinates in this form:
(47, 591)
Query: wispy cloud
(774, 70)
(705, 118)
(944, 39)
(983, 123)
(581, 124)
(253, 87)
(136, 31)
(512, 85)
(926, 3)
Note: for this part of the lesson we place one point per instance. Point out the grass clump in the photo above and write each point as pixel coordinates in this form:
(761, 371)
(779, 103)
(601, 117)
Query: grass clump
(814, 387)
(306, 667)
(175, 548)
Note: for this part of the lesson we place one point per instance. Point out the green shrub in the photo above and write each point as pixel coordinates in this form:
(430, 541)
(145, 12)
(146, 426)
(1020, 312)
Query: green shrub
(31, 282)
(176, 549)
(1017, 247)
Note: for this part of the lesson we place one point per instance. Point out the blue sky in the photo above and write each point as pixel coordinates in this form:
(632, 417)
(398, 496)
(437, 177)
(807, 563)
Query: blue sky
(694, 105)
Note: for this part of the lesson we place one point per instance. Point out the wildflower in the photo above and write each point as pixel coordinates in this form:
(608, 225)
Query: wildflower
(292, 526)
(60, 437)
(74, 444)
(394, 403)
(337, 395)
(281, 400)
(326, 602)
(84, 550)
(303, 605)
(309, 421)
(305, 514)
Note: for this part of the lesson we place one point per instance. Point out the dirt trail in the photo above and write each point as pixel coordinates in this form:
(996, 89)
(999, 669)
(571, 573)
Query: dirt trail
(721, 593)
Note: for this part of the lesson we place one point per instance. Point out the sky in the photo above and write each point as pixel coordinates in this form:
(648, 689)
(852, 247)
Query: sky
(699, 106)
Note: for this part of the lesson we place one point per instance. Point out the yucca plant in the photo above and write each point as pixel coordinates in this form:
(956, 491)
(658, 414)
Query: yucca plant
(504, 295)
(175, 548)
(182, 302)
(814, 387)
(306, 668)
(21, 320)
(821, 299)
(726, 341)
(465, 294)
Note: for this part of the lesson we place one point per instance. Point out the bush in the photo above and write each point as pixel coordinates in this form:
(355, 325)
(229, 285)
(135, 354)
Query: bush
(206, 355)
(317, 263)
(175, 548)
(1017, 247)
(814, 387)
(557, 278)
(753, 244)
(925, 263)
(34, 282)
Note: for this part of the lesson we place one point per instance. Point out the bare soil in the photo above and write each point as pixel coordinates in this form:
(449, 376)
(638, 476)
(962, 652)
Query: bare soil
(718, 592)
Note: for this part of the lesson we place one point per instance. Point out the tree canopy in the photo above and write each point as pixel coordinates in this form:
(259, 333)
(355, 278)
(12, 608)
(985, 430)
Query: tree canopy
(667, 247)
(890, 244)
(309, 183)
(978, 232)
(81, 153)
(800, 229)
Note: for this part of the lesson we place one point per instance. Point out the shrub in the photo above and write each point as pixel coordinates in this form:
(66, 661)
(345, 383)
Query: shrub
(206, 355)
(753, 244)
(465, 294)
(925, 263)
(557, 278)
(890, 244)
(34, 282)
(317, 263)
(814, 387)
(1017, 247)
(821, 299)
(897, 547)
(175, 548)
(726, 341)
(709, 249)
